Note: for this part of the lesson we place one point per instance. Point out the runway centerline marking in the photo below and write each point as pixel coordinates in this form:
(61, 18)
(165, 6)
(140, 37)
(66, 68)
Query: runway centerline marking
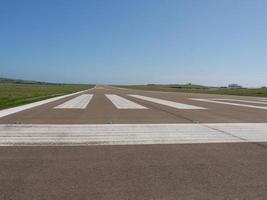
(122, 103)
(79, 102)
(127, 134)
(228, 103)
(167, 103)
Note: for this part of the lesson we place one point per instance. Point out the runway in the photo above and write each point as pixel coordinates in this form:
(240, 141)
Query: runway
(109, 105)
(112, 143)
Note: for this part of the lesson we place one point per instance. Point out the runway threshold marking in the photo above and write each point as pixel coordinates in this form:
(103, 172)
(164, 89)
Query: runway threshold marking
(10, 111)
(79, 102)
(241, 100)
(122, 103)
(126, 134)
(228, 103)
(166, 102)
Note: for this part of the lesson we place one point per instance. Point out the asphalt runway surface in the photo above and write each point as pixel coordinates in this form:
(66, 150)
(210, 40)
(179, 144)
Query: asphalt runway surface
(112, 143)
(100, 110)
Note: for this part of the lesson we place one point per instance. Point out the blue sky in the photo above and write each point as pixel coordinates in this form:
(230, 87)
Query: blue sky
(135, 41)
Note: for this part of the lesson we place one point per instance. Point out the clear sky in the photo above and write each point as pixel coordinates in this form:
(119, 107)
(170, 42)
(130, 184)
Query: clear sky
(211, 42)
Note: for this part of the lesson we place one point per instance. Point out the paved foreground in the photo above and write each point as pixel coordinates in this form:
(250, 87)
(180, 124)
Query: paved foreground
(199, 171)
(109, 143)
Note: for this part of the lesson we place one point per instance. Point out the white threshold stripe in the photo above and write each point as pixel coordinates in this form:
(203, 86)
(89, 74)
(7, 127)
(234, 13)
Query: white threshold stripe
(241, 100)
(122, 103)
(126, 134)
(166, 102)
(264, 100)
(258, 98)
(79, 102)
(228, 103)
(10, 111)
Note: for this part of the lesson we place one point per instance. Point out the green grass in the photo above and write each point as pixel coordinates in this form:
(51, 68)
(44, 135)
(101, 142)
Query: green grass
(188, 88)
(12, 95)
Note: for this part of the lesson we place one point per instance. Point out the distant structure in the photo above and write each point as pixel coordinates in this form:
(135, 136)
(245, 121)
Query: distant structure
(234, 86)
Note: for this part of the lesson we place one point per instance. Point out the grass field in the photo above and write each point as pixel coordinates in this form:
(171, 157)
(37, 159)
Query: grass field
(188, 88)
(18, 94)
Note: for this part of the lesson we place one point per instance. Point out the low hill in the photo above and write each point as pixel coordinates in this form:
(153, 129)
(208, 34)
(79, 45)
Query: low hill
(192, 88)
(14, 92)
(19, 81)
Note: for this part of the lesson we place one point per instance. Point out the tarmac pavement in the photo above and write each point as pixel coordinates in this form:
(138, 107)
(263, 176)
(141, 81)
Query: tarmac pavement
(112, 143)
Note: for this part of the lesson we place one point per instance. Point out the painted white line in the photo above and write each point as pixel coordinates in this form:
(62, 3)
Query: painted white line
(264, 100)
(254, 132)
(167, 103)
(122, 103)
(79, 102)
(258, 98)
(121, 134)
(241, 100)
(228, 103)
(10, 111)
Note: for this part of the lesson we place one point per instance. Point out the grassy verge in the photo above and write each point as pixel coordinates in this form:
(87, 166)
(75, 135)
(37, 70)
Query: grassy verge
(260, 92)
(12, 95)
